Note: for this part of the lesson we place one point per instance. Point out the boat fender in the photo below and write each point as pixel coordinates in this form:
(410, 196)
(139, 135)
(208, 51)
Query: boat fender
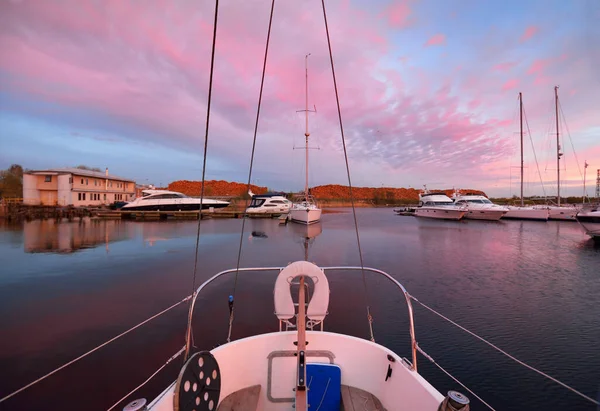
(455, 401)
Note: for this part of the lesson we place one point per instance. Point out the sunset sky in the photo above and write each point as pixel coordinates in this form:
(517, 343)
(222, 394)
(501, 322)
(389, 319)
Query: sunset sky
(428, 90)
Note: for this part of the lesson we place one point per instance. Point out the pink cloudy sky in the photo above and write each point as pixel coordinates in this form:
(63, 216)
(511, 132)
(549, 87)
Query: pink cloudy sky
(428, 90)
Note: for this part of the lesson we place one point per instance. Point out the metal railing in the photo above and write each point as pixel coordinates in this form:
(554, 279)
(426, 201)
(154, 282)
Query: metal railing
(413, 365)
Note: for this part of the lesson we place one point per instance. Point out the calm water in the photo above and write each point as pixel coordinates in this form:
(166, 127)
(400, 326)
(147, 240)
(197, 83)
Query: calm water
(532, 288)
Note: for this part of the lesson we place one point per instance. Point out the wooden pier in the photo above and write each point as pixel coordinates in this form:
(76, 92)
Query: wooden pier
(177, 215)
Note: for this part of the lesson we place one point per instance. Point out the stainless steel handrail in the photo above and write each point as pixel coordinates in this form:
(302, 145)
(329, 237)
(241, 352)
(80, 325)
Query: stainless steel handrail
(413, 340)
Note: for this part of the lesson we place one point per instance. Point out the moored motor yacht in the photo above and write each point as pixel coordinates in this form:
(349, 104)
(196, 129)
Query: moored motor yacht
(268, 203)
(439, 205)
(479, 207)
(165, 200)
(589, 219)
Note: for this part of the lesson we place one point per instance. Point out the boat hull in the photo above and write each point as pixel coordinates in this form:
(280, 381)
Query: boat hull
(273, 367)
(173, 207)
(590, 222)
(440, 213)
(305, 215)
(527, 213)
(490, 215)
(562, 213)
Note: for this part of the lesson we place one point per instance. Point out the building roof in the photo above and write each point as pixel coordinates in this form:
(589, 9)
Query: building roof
(80, 172)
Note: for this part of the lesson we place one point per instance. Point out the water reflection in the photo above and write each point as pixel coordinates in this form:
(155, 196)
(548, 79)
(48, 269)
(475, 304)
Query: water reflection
(49, 236)
(308, 234)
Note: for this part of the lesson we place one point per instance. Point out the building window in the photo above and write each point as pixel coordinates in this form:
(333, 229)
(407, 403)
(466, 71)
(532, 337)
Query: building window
(48, 179)
(83, 195)
(104, 197)
(95, 182)
(79, 196)
(82, 181)
(86, 181)
(70, 180)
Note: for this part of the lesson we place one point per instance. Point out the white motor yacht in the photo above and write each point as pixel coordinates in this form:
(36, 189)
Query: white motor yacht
(479, 207)
(439, 205)
(589, 218)
(164, 200)
(268, 203)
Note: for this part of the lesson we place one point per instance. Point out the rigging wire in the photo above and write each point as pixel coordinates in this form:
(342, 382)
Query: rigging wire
(534, 155)
(570, 139)
(93, 350)
(239, 256)
(210, 84)
(337, 99)
(453, 377)
(174, 356)
(543, 374)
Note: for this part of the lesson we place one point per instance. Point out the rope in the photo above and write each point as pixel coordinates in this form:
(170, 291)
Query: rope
(210, 83)
(230, 325)
(534, 155)
(177, 354)
(337, 99)
(455, 379)
(262, 82)
(508, 355)
(92, 350)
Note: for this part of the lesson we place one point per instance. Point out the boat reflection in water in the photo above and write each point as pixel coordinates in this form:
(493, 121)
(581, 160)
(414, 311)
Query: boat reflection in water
(307, 233)
(49, 236)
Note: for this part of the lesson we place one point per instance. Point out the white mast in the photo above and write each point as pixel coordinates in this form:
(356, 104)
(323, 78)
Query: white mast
(558, 153)
(306, 133)
(521, 117)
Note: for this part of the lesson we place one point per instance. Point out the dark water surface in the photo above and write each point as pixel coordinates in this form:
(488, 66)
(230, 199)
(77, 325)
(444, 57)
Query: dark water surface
(532, 288)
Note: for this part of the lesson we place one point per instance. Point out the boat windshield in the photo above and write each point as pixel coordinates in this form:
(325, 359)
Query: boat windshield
(438, 203)
(257, 202)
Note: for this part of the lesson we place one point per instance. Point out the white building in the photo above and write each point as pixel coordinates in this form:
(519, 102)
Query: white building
(74, 186)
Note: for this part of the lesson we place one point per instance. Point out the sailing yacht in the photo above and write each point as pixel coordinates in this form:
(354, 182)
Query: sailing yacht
(522, 212)
(559, 212)
(305, 209)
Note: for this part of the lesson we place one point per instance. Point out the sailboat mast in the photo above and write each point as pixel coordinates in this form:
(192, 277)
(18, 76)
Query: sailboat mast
(306, 133)
(521, 117)
(558, 153)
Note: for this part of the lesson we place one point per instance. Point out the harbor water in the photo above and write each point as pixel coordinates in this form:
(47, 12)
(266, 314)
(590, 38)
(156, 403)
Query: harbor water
(532, 288)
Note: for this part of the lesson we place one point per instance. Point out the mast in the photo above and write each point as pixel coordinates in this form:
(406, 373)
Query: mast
(558, 153)
(521, 117)
(585, 166)
(306, 133)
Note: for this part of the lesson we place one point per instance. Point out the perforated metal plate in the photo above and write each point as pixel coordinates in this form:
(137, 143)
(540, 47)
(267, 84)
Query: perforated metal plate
(199, 384)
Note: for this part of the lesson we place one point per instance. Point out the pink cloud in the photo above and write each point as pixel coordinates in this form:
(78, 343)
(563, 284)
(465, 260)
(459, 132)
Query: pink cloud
(510, 84)
(473, 104)
(436, 40)
(504, 67)
(538, 66)
(399, 15)
(529, 33)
